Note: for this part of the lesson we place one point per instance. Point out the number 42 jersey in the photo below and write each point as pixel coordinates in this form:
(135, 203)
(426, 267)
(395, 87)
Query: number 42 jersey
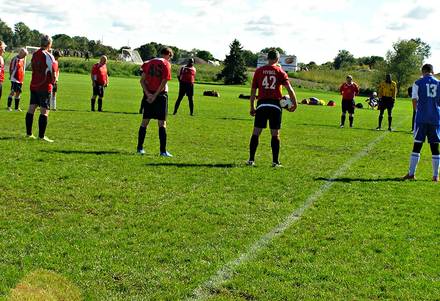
(427, 92)
(268, 80)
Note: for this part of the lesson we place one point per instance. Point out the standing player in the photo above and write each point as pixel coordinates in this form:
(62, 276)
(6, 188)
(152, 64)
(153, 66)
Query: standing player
(16, 75)
(53, 97)
(268, 80)
(426, 93)
(2, 66)
(186, 77)
(348, 90)
(387, 96)
(99, 82)
(43, 71)
(156, 73)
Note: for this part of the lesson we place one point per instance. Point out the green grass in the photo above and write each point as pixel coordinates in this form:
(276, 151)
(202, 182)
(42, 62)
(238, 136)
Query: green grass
(117, 226)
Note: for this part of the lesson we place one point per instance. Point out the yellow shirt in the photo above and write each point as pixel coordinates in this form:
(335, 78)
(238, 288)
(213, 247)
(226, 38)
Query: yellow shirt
(388, 90)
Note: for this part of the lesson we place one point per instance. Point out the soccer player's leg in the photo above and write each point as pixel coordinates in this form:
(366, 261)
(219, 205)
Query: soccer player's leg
(100, 97)
(161, 104)
(381, 111)
(93, 99)
(44, 114)
(179, 98)
(434, 140)
(344, 112)
(275, 126)
(11, 96)
(419, 138)
(29, 119)
(147, 115)
(260, 123)
(351, 113)
(190, 94)
(18, 97)
(390, 115)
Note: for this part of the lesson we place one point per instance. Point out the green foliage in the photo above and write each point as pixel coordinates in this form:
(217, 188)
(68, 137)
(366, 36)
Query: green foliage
(279, 49)
(405, 60)
(234, 71)
(344, 59)
(205, 55)
(6, 33)
(250, 58)
(22, 35)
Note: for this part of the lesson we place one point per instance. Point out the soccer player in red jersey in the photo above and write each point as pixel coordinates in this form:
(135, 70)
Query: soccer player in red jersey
(16, 75)
(2, 66)
(53, 97)
(348, 90)
(155, 75)
(99, 82)
(187, 75)
(268, 81)
(42, 81)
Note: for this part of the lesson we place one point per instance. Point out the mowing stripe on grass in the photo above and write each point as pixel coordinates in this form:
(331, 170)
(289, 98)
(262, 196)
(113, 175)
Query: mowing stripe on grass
(209, 287)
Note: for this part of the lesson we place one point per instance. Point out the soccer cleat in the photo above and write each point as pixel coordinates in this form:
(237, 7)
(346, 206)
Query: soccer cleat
(18, 110)
(409, 177)
(250, 163)
(9, 109)
(341, 126)
(30, 137)
(141, 151)
(165, 154)
(390, 129)
(378, 128)
(435, 179)
(46, 139)
(277, 165)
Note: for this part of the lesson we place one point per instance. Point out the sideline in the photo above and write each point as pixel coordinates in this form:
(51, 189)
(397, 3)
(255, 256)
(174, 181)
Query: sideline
(205, 290)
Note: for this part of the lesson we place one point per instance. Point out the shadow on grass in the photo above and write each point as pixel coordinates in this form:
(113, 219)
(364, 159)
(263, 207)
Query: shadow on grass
(218, 165)
(350, 180)
(9, 138)
(83, 152)
(234, 118)
(103, 112)
(336, 126)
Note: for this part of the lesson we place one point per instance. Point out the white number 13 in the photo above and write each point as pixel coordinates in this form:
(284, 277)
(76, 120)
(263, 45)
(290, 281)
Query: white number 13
(431, 90)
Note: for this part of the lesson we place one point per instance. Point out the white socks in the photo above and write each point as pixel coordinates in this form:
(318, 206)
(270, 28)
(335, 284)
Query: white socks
(435, 164)
(414, 160)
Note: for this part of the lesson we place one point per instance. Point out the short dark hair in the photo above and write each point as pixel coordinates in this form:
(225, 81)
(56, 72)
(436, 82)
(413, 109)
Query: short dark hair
(45, 40)
(190, 61)
(428, 68)
(167, 51)
(273, 54)
(56, 53)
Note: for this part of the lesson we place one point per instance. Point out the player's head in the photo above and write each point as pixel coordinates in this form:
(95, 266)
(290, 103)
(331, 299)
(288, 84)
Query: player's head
(103, 60)
(388, 78)
(2, 47)
(273, 56)
(166, 53)
(45, 41)
(22, 53)
(56, 54)
(427, 69)
(190, 62)
(349, 79)
(374, 94)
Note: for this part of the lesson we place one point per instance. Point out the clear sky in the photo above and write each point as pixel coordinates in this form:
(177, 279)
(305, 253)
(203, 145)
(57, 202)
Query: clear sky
(313, 30)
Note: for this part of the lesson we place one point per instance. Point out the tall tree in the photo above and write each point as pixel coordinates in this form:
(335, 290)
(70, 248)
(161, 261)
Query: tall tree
(147, 51)
(250, 58)
(343, 59)
(279, 49)
(234, 71)
(406, 59)
(6, 33)
(205, 55)
(22, 34)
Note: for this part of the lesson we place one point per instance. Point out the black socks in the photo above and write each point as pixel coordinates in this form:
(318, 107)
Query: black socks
(275, 144)
(141, 137)
(42, 124)
(253, 147)
(29, 120)
(163, 139)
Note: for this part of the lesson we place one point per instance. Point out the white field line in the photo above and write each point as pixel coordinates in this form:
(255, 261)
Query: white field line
(226, 272)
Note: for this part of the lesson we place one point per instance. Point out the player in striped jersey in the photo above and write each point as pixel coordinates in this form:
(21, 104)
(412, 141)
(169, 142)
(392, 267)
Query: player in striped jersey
(16, 75)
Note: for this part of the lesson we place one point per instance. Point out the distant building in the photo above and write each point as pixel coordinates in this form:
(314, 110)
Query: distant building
(287, 62)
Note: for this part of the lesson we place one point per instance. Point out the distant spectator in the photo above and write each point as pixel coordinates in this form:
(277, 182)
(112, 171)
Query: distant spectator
(2, 66)
(372, 101)
(87, 56)
(16, 75)
(99, 82)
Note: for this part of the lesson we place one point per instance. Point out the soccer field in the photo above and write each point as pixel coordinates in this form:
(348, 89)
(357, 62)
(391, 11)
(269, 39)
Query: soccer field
(335, 223)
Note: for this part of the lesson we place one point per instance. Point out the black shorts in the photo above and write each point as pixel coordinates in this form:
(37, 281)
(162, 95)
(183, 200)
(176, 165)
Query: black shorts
(386, 103)
(16, 87)
(98, 90)
(158, 109)
(348, 105)
(186, 89)
(55, 88)
(41, 99)
(268, 110)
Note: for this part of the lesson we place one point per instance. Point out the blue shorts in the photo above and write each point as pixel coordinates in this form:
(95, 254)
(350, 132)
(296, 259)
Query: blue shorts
(423, 130)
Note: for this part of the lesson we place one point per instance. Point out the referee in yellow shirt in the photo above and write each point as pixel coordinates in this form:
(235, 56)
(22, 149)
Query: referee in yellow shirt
(387, 97)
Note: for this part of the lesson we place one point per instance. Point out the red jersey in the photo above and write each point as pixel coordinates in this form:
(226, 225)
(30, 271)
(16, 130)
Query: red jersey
(42, 71)
(268, 80)
(99, 74)
(349, 91)
(2, 69)
(187, 74)
(16, 70)
(156, 70)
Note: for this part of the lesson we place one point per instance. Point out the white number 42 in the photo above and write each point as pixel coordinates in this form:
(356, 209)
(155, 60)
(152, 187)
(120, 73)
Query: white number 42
(431, 90)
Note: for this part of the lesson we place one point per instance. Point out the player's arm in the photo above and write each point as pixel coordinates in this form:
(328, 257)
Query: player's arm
(143, 83)
(394, 91)
(415, 95)
(252, 101)
(292, 96)
(159, 90)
